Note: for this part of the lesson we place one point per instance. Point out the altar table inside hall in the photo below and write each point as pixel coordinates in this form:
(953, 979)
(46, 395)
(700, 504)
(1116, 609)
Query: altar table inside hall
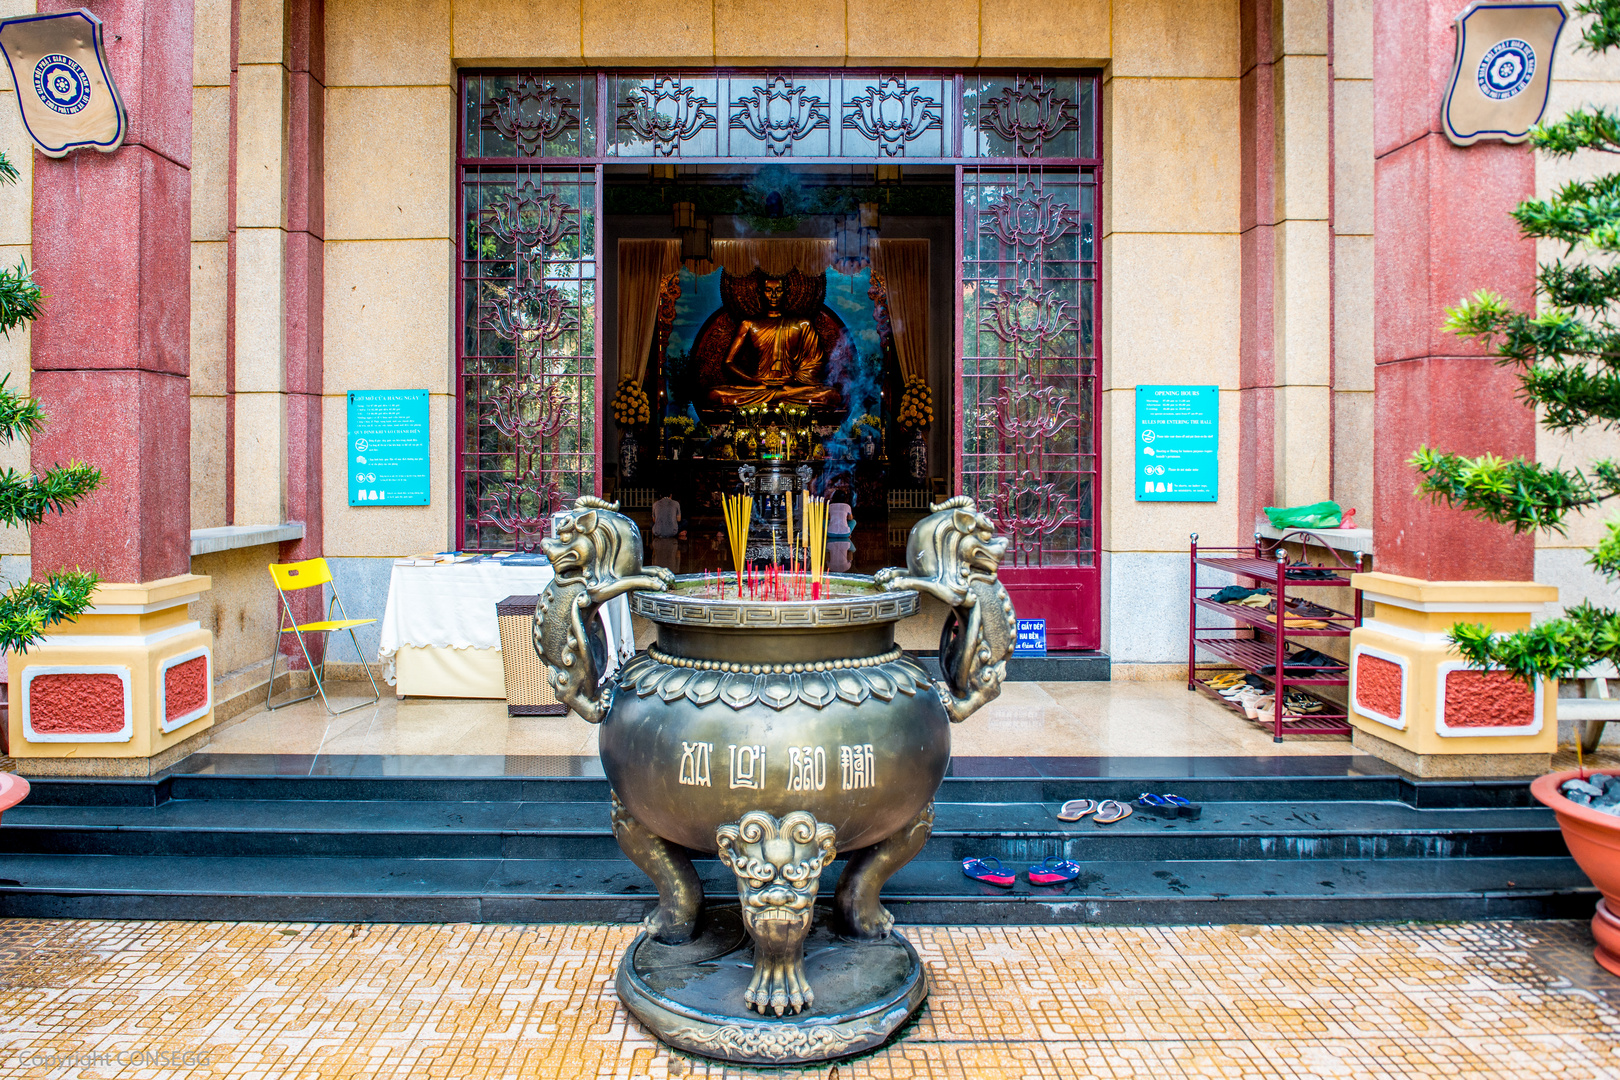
(440, 636)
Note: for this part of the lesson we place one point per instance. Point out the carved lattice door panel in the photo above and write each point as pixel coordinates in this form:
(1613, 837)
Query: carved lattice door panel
(528, 319)
(1029, 382)
(528, 370)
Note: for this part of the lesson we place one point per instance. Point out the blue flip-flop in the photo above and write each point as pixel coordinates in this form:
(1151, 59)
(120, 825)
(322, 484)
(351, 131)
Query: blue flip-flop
(1157, 805)
(990, 871)
(1184, 807)
(1050, 872)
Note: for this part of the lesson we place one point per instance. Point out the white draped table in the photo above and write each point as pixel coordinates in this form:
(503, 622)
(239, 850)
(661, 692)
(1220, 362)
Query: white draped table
(440, 636)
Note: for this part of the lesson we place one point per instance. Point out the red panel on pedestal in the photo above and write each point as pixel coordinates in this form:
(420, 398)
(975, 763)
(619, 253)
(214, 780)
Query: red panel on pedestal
(185, 687)
(74, 704)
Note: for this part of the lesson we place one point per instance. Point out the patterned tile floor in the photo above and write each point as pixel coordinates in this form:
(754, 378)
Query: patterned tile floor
(1509, 1000)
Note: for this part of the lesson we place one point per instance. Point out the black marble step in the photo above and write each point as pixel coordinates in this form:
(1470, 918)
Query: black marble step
(581, 830)
(1039, 780)
(412, 839)
(420, 890)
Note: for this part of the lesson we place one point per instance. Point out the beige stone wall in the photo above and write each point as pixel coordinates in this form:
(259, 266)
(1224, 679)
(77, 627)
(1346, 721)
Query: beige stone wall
(1353, 255)
(210, 184)
(240, 610)
(1303, 449)
(16, 236)
(1579, 78)
(390, 201)
(697, 33)
(1171, 268)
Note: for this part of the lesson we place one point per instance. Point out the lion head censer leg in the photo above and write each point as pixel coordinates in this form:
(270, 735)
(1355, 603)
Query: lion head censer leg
(778, 864)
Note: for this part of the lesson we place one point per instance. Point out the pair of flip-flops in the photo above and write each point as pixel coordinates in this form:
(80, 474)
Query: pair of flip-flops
(1168, 806)
(1050, 871)
(1107, 811)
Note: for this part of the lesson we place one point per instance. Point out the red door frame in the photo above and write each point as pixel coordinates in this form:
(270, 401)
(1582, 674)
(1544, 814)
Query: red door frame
(1068, 597)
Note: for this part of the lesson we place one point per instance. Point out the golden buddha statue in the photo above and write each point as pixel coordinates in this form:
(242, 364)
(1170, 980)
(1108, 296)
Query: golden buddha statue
(773, 358)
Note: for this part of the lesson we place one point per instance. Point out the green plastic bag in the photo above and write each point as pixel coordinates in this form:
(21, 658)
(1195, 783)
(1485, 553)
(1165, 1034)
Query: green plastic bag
(1322, 515)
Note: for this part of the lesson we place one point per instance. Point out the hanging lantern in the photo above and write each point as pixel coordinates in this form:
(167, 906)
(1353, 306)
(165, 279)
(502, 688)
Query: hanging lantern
(888, 175)
(849, 245)
(661, 174)
(695, 240)
(684, 214)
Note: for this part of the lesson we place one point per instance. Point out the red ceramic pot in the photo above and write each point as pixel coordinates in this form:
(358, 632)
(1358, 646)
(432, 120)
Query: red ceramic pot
(13, 790)
(1593, 839)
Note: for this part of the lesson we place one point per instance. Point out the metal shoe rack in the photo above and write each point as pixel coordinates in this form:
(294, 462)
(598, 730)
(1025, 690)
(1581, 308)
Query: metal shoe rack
(1254, 642)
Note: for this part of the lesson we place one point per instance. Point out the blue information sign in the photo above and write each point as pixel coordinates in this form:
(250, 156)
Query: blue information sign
(388, 448)
(1178, 443)
(1031, 639)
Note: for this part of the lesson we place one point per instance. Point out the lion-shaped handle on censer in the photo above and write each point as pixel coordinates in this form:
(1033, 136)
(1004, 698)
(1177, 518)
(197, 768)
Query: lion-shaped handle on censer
(953, 556)
(595, 556)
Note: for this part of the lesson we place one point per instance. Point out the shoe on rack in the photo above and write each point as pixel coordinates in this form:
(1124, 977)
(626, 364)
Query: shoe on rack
(1297, 701)
(1255, 706)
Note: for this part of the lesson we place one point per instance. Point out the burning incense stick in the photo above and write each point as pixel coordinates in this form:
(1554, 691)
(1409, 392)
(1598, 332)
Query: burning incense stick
(739, 510)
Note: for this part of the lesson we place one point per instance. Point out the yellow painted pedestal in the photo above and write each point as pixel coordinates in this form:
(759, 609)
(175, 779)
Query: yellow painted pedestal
(124, 690)
(1415, 703)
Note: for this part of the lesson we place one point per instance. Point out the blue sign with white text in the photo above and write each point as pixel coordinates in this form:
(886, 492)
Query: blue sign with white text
(1177, 443)
(388, 448)
(1031, 639)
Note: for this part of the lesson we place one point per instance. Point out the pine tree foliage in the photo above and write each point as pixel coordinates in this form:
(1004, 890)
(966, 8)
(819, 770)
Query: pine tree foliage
(1567, 353)
(30, 608)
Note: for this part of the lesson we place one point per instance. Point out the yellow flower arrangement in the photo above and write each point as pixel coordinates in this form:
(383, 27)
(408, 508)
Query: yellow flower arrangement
(630, 405)
(916, 405)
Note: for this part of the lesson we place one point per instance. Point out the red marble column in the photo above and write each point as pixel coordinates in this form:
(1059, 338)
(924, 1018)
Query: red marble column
(1257, 425)
(1441, 232)
(111, 354)
(306, 25)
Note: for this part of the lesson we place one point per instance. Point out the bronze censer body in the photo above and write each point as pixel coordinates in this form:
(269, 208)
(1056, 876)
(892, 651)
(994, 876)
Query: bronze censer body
(778, 736)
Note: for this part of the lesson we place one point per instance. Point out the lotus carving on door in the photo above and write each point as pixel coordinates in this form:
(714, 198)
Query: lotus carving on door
(1028, 318)
(529, 219)
(891, 115)
(780, 113)
(526, 311)
(666, 114)
(1029, 219)
(531, 113)
(1028, 116)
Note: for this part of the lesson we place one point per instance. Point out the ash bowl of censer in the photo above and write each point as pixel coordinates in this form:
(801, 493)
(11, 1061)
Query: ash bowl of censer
(777, 734)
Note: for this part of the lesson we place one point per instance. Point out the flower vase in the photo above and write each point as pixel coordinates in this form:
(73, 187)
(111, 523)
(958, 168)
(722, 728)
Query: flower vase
(629, 456)
(917, 456)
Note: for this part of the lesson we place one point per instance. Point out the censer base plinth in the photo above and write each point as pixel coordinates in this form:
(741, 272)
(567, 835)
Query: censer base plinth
(691, 995)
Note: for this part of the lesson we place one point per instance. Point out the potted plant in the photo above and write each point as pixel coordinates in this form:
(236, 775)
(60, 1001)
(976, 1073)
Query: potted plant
(915, 414)
(1568, 353)
(1593, 838)
(630, 410)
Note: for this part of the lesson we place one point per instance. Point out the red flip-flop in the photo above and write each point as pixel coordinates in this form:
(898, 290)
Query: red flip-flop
(1049, 872)
(990, 871)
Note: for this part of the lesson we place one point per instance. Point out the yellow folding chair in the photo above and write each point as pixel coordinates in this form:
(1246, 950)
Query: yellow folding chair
(310, 574)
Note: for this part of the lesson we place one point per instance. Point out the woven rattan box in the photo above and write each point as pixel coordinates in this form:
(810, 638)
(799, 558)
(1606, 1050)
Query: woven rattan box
(527, 692)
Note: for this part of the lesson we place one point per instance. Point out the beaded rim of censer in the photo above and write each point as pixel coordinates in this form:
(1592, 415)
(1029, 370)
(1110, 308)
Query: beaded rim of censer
(680, 607)
(774, 669)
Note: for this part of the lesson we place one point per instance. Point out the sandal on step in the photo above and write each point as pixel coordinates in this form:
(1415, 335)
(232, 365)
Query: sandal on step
(1157, 805)
(1186, 807)
(1053, 871)
(990, 871)
(1110, 811)
(1075, 809)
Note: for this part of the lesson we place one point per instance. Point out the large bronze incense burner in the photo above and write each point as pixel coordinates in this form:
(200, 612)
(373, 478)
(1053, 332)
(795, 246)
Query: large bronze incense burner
(777, 735)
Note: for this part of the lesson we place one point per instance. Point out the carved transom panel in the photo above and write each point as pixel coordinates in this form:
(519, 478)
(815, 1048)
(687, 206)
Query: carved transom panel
(532, 113)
